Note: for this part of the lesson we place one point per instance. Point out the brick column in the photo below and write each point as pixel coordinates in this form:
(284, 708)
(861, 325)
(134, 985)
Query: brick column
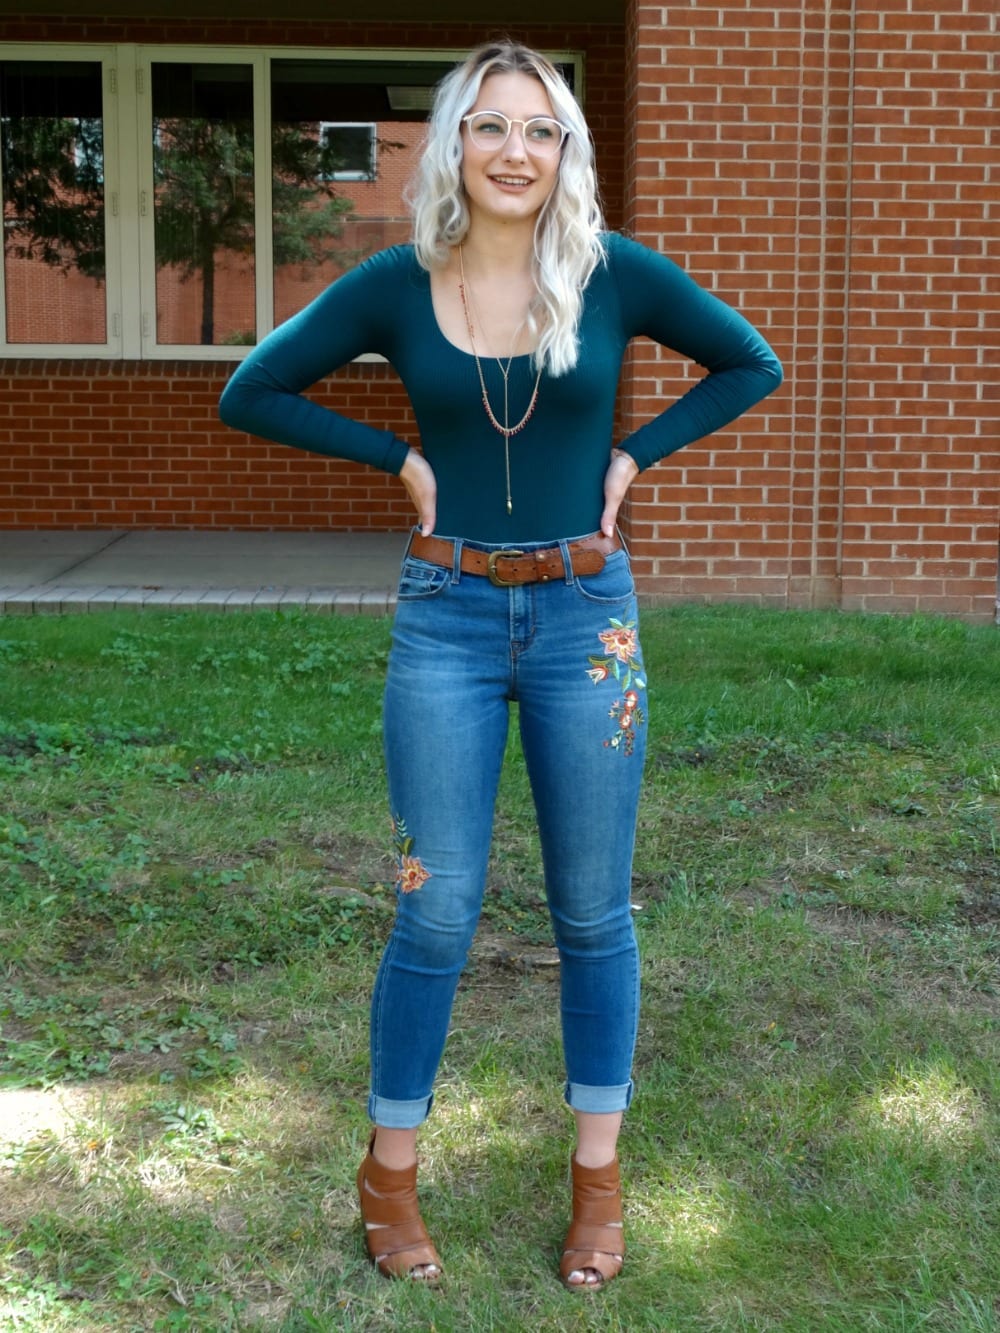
(923, 462)
(739, 172)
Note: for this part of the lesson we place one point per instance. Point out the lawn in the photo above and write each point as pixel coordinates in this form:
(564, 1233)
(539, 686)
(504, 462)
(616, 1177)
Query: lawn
(195, 885)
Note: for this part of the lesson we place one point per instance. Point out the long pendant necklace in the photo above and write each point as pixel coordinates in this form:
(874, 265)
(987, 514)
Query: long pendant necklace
(506, 430)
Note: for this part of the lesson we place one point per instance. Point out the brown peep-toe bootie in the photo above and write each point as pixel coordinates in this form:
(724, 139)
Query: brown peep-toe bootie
(394, 1230)
(596, 1238)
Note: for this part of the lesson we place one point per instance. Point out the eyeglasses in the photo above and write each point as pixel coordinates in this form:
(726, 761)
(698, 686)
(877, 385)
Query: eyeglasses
(490, 130)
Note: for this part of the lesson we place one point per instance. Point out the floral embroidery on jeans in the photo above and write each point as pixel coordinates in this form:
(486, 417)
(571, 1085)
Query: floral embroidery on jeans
(622, 665)
(410, 873)
(629, 716)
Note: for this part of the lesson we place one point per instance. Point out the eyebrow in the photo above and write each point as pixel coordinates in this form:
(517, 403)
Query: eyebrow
(495, 111)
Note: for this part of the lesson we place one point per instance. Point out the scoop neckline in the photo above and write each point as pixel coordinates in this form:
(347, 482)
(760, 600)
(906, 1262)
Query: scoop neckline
(472, 356)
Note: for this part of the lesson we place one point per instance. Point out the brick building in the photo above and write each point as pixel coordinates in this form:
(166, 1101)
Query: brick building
(823, 165)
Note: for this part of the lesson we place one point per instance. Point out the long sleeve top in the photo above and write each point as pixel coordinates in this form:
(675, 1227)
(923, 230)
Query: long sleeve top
(558, 461)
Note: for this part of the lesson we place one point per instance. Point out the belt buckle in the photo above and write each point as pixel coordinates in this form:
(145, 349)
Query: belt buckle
(491, 568)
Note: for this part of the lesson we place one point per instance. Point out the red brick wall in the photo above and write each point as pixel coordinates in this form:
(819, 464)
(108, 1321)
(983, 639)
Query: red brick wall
(922, 476)
(140, 444)
(825, 167)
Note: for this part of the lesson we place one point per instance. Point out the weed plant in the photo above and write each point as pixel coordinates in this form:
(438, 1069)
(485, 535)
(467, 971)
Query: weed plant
(195, 886)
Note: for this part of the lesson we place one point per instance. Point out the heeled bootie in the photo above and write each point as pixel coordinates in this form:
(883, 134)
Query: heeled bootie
(596, 1237)
(394, 1230)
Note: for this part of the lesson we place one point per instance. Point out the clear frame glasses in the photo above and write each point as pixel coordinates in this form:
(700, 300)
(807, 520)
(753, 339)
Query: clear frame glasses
(490, 130)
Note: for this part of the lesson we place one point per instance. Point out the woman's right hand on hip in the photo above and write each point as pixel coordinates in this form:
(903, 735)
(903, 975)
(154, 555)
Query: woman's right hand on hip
(417, 476)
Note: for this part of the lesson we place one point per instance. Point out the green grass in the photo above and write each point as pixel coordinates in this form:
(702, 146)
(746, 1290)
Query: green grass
(195, 866)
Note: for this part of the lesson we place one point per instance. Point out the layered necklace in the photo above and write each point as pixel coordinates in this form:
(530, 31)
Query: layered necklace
(504, 428)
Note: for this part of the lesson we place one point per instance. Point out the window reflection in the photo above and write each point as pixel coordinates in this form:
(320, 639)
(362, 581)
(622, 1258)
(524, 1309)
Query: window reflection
(342, 156)
(351, 149)
(52, 145)
(203, 203)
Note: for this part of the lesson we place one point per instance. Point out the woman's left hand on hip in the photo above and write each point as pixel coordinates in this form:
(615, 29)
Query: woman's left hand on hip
(622, 471)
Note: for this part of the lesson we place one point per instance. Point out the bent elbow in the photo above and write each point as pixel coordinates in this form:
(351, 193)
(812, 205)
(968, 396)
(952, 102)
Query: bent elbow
(232, 407)
(772, 371)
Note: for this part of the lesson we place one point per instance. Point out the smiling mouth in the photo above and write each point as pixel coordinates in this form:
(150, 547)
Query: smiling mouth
(511, 180)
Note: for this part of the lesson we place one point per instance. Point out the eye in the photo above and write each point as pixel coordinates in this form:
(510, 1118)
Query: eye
(541, 131)
(488, 125)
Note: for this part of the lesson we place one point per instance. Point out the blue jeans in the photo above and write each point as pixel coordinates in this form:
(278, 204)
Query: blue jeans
(463, 649)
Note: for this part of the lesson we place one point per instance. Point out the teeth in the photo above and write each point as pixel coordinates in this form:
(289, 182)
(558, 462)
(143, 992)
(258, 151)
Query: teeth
(512, 180)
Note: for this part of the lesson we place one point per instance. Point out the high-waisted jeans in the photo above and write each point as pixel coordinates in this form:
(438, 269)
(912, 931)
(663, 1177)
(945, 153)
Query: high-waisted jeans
(568, 652)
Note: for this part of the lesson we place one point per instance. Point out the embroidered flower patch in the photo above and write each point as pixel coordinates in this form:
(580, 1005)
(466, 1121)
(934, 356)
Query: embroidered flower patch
(410, 873)
(629, 716)
(622, 665)
(621, 639)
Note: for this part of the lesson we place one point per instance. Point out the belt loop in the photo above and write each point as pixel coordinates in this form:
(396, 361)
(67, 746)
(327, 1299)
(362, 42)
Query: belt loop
(567, 560)
(456, 564)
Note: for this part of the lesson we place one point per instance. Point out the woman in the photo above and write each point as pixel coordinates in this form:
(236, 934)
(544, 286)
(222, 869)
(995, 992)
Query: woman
(507, 320)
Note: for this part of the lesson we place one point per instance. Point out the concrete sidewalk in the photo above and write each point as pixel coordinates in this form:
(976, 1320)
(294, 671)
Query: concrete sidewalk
(103, 570)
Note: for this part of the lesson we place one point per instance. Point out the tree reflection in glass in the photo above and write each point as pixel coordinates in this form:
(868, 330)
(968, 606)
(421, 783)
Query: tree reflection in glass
(203, 177)
(52, 146)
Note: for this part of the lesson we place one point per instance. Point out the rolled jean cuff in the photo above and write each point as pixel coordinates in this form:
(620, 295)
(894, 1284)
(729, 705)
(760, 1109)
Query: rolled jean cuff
(399, 1115)
(599, 1101)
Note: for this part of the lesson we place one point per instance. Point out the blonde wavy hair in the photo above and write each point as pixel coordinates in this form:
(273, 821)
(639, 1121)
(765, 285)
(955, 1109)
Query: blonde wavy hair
(568, 244)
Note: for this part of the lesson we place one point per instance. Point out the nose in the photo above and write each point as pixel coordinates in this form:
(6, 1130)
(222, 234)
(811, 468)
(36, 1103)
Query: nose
(514, 147)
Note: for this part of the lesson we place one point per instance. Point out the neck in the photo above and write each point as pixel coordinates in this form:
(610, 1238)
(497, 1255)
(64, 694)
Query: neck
(500, 248)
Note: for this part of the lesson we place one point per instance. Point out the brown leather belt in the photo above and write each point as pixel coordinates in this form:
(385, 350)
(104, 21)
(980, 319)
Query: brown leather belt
(509, 568)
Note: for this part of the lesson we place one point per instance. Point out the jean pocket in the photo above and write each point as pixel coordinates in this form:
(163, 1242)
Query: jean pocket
(419, 578)
(613, 583)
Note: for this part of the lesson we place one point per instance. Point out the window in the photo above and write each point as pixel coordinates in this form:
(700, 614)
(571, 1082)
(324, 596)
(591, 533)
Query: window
(183, 201)
(351, 149)
(54, 225)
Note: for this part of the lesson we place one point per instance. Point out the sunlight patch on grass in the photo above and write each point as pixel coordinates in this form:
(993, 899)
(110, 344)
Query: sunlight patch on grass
(180, 1148)
(930, 1106)
(28, 1113)
(691, 1222)
(495, 1112)
(697, 1221)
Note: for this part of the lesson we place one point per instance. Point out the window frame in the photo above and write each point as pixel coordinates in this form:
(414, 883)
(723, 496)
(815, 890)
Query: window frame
(146, 317)
(130, 275)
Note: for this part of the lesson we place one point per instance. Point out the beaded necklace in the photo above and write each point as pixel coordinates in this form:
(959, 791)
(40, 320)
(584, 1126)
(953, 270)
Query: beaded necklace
(505, 429)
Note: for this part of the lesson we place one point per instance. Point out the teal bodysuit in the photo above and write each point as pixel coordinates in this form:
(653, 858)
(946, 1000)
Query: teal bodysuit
(559, 459)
